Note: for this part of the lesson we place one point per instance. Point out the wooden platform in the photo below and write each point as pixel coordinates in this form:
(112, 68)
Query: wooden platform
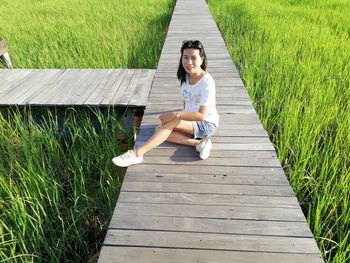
(236, 206)
(75, 87)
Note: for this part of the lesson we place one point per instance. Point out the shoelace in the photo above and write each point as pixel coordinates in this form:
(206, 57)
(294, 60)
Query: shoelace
(126, 155)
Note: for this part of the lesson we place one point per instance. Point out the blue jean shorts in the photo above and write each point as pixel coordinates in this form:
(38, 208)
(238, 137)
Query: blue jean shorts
(203, 129)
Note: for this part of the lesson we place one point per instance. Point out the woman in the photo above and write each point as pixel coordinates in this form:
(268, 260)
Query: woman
(197, 122)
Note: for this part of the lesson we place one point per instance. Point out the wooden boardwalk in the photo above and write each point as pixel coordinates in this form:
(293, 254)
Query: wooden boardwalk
(236, 206)
(75, 87)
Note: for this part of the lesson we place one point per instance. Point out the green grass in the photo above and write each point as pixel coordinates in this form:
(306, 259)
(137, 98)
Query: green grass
(294, 57)
(57, 192)
(85, 33)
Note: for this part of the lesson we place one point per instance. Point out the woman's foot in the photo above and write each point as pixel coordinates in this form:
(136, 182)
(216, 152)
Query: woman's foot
(204, 148)
(127, 158)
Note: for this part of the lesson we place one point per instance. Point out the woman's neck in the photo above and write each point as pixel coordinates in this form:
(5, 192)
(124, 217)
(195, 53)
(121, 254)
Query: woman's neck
(193, 78)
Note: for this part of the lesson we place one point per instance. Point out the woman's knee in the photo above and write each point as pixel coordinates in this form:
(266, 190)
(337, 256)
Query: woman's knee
(171, 124)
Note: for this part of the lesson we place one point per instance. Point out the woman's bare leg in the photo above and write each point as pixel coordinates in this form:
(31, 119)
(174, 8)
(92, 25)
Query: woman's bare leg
(163, 133)
(182, 138)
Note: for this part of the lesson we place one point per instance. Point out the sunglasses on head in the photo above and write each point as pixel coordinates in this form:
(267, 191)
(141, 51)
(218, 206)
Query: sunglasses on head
(191, 44)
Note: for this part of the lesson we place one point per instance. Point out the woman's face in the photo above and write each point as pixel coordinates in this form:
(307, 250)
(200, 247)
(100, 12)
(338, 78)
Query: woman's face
(191, 61)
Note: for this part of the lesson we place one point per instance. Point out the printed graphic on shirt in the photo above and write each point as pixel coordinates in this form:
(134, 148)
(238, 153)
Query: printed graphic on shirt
(191, 98)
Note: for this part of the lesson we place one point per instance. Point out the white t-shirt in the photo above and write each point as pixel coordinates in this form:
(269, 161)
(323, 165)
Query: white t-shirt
(201, 94)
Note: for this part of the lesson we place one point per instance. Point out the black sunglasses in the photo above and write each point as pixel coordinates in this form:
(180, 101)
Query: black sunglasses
(191, 44)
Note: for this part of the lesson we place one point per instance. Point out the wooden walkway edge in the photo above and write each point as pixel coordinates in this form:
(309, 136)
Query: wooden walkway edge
(236, 206)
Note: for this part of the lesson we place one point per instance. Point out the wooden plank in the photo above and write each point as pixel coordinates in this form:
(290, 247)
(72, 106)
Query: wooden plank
(112, 88)
(95, 78)
(122, 88)
(204, 178)
(57, 88)
(191, 152)
(46, 83)
(109, 254)
(199, 169)
(143, 87)
(74, 79)
(190, 160)
(97, 95)
(207, 211)
(125, 98)
(208, 225)
(210, 241)
(24, 87)
(208, 199)
(199, 188)
(11, 79)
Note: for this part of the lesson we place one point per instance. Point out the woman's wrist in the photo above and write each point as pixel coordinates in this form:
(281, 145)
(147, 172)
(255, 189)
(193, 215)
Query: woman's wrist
(177, 115)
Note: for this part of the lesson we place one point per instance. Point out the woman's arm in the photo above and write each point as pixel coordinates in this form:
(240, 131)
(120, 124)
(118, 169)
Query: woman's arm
(186, 116)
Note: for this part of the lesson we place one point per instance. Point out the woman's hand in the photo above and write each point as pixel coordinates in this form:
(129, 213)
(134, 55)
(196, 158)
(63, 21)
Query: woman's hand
(167, 116)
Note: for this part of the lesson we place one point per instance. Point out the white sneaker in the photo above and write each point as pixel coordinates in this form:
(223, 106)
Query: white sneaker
(126, 159)
(204, 148)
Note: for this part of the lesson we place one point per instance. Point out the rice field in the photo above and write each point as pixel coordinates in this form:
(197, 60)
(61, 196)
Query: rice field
(294, 58)
(85, 33)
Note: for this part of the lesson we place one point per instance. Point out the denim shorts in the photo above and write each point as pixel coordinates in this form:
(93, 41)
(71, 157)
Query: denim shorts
(203, 129)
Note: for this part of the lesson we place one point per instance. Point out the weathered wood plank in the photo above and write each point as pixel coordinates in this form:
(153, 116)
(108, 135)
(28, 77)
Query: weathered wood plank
(208, 225)
(62, 84)
(12, 79)
(204, 178)
(207, 199)
(210, 241)
(214, 170)
(109, 254)
(207, 211)
(74, 79)
(96, 96)
(200, 188)
(190, 160)
(125, 98)
(19, 89)
(191, 152)
(96, 77)
(47, 82)
(113, 88)
(123, 87)
(143, 87)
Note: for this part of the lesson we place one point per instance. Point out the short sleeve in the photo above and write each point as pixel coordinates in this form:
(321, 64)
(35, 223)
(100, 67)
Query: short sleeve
(208, 94)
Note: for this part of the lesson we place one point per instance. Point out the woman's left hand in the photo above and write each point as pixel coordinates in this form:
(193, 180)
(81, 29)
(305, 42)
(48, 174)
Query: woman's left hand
(167, 116)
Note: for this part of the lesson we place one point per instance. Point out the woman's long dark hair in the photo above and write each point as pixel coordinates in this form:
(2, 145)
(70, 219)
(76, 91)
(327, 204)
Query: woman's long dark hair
(195, 44)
